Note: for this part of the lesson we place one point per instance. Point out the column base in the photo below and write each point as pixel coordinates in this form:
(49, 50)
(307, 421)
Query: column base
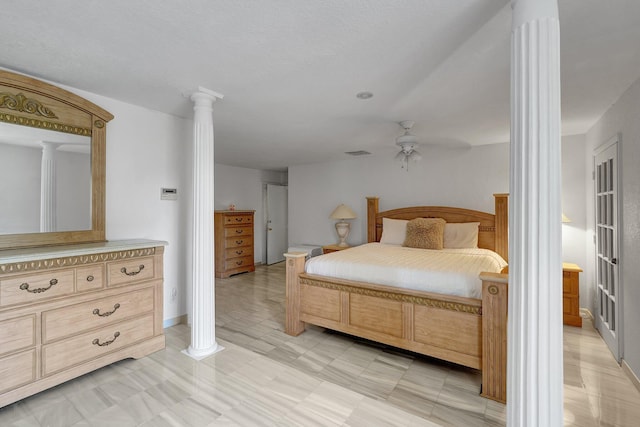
(203, 353)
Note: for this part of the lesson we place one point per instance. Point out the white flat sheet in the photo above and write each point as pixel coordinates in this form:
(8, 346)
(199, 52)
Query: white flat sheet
(446, 271)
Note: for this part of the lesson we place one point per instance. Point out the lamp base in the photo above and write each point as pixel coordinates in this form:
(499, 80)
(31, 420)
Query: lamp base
(343, 228)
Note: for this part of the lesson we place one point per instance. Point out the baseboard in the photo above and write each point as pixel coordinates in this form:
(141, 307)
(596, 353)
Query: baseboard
(632, 376)
(167, 323)
(585, 313)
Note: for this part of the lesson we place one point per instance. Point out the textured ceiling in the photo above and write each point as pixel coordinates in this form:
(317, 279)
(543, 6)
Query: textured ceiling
(290, 69)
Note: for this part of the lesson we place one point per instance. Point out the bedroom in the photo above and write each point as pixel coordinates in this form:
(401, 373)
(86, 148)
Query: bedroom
(134, 208)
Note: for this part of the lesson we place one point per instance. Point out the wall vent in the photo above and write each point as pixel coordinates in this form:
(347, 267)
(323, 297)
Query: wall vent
(357, 153)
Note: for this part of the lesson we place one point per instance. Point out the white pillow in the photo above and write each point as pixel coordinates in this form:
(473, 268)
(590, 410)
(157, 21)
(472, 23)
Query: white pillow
(394, 231)
(461, 235)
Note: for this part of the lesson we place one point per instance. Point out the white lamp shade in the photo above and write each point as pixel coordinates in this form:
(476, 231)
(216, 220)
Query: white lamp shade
(343, 212)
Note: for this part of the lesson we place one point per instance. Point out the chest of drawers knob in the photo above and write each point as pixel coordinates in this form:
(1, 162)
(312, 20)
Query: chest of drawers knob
(132, 273)
(108, 313)
(111, 341)
(25, 287)
(90, 278)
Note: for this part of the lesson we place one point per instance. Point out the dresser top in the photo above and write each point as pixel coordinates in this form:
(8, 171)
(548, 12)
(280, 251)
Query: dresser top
(46, 252)
(235, 211)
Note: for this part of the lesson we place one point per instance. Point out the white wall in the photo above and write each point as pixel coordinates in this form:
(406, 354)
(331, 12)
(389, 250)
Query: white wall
(574, 207)
(73, 191)
(623, 118)
(19, 210)
(243, 187)
(461, 177)
(147, 150)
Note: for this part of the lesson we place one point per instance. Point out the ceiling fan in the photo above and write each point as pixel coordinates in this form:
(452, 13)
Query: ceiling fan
(407, 143)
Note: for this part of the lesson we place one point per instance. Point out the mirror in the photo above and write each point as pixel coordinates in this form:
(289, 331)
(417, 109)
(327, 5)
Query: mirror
(54, 189)
(52, 162)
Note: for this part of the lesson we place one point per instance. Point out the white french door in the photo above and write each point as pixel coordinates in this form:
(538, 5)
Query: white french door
(608, 292)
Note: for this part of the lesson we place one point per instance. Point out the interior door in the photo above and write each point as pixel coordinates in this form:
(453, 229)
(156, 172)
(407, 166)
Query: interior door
(608, 290)
(276, 223)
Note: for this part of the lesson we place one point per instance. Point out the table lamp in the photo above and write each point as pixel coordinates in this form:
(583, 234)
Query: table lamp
(341, 213)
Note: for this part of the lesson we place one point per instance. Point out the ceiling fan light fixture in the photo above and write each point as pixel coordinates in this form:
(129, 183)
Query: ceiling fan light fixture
(407, 143)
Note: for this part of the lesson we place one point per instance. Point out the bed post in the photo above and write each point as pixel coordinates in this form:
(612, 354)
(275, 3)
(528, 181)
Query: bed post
(502, 224)
(372, 212)
(494, 336)
(295, 266)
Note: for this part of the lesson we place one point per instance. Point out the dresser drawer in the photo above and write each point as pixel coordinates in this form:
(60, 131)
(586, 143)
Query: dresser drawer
(239, 252)
(17, 370)
(67, 353)
(234, 263)
(17, 334)
(129, 271)
(238, 219)
(238, 231)
(237, 242)
(89, 278)
(36, 287)
(77, 318)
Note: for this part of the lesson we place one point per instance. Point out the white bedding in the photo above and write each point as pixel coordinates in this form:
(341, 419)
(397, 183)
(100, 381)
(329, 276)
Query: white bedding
(446, 271)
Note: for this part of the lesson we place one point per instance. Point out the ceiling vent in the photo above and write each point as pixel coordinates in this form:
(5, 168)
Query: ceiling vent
(357, 153)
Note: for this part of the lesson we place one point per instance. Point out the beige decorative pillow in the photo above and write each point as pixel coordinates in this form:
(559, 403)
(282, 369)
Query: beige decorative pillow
(394, 231)
(461, 235)
(425, 233)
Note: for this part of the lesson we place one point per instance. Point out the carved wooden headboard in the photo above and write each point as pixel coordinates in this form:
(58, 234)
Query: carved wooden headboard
(493, 233)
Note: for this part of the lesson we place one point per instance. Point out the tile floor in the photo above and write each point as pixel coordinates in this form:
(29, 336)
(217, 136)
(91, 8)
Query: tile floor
(265, 377)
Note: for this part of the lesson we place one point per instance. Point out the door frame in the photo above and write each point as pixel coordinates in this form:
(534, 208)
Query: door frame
(265, 214)
(617, 141)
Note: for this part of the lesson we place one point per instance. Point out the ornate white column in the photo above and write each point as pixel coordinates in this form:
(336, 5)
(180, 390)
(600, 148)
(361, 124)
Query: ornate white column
(534, 374)
(203, 326)
(48, 187)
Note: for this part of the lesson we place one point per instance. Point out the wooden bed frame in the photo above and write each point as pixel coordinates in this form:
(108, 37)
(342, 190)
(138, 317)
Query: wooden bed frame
(467, 331)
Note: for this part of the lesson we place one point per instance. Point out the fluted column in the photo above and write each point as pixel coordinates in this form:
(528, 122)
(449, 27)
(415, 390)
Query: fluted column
(535, 374)
(203, 327)
(48, 184)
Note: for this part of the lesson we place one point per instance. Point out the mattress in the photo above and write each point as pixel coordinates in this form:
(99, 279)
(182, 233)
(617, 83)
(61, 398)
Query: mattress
(446, 271)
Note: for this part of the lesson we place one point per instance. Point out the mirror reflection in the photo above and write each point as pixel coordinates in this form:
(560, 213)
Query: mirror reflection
(45, 180)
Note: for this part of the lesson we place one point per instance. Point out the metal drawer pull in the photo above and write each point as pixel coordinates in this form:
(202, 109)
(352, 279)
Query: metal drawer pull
(90, 278)
(97, 341)
(238, 262)
(25, 287)
(239, 252)
(132, 273)
(239, 231)
(239, 242)
(108, 313)
(239, 219)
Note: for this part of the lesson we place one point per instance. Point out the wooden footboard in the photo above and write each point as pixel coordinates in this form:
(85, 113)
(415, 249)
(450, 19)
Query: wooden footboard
(466, 331)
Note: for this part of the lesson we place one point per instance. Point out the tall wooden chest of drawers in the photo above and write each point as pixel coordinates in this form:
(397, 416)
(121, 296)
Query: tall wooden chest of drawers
(68, 310)
(234, 242)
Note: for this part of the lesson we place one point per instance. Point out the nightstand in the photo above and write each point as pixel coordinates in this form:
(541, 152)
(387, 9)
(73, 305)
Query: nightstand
(333, 248)
(571, 294)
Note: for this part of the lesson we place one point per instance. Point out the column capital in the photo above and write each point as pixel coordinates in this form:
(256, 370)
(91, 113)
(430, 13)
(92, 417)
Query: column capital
(203, 97)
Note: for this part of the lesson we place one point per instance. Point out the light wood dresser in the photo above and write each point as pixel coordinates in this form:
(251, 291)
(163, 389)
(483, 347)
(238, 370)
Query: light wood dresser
(234, 242)
(571, 294)
(68, 310)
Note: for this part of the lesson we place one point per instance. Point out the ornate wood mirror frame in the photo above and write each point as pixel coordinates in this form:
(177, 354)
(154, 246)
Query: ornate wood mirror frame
(29, 102)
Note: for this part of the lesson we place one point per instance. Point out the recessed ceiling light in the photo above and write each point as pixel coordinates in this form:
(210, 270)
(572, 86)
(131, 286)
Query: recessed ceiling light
(364, 95)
